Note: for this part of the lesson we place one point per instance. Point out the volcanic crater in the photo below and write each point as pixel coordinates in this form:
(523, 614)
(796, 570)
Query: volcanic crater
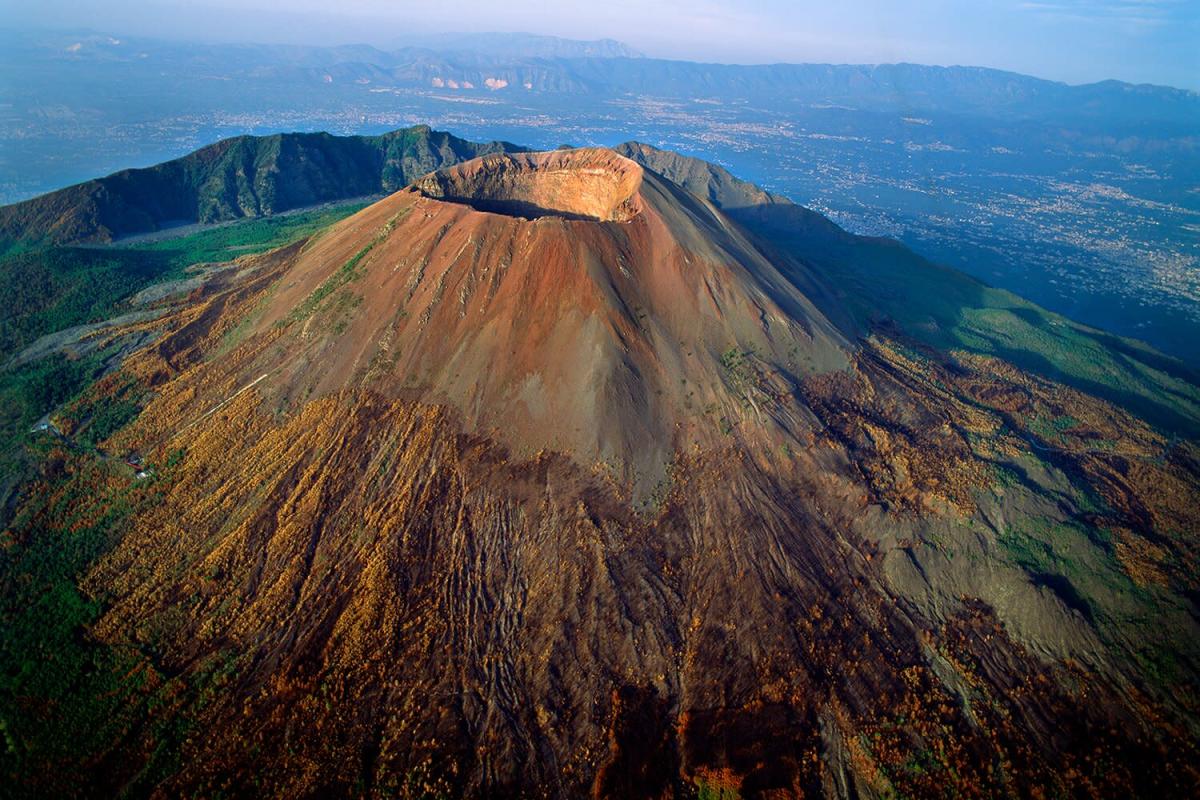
(569, 301)
(591, 185)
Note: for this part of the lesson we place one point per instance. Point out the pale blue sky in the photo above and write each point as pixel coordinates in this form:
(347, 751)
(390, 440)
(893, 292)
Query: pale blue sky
(1155, 41)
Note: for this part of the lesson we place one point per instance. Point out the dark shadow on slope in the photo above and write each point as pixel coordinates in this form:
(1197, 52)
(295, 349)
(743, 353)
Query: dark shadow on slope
(517, 208)
(882, 280)
(1128, 348)
(1065, 591)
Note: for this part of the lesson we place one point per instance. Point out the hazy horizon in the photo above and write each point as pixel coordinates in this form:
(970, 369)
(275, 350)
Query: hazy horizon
(1137, 41)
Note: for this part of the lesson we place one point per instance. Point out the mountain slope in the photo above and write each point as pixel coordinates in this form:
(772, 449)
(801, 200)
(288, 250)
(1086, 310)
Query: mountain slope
(546, 476)
(246, 176)
(882, 282)
(587, 328)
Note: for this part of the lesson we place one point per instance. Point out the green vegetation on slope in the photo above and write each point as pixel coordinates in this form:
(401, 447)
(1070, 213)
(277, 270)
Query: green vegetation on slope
(881, 281)
(224, 242)
(50, 289)
(51, 669)
(246, 176)
(46, 661)
(27, 393)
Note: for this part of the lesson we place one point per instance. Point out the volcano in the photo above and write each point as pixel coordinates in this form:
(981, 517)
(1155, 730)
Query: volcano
(568, 301)
(601, 473)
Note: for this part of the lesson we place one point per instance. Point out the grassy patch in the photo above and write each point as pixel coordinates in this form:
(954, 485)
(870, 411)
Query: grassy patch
(345, 274)
(736, 366)
(706, 790)
(883, 281)
(1052, 429)
(226, 242)
(52, 289)
(1077, 564)
(66, 699)
(30, 392)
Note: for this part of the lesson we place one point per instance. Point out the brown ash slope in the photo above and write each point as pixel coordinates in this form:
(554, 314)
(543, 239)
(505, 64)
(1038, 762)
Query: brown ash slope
(544, 477)
(593, 324)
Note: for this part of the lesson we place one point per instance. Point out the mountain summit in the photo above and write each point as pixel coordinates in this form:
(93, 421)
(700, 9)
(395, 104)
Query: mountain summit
(569, 301)
(599, 472)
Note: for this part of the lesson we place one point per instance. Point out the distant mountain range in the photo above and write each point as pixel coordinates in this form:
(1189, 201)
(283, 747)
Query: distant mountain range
(487, 63)
(528, 45)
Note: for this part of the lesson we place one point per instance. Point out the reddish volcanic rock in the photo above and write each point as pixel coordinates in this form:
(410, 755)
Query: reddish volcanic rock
(596, 185)
(569, 301)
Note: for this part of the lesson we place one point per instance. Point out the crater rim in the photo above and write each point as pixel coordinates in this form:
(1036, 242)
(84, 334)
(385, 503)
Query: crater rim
(583, 185)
